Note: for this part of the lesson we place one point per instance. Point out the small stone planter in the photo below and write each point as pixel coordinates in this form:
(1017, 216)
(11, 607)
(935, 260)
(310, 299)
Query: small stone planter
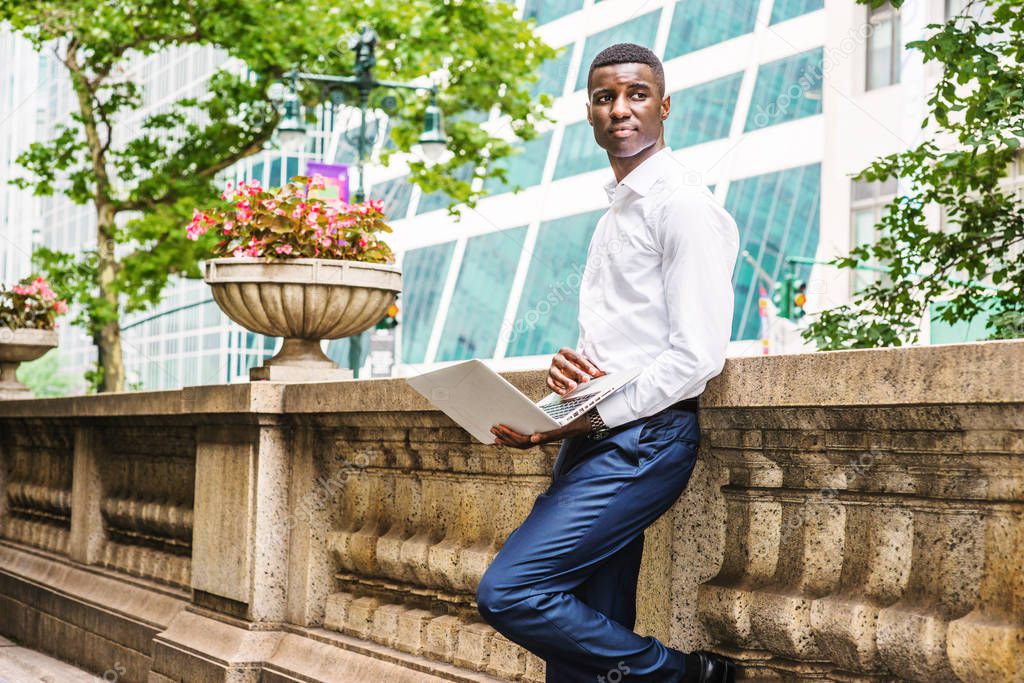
(17, 347)
(303, 300)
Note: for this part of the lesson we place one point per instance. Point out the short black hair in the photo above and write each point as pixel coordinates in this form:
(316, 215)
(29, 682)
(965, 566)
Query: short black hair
(629, 53)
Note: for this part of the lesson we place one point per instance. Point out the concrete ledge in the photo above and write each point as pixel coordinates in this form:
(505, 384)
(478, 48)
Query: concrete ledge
(955, 373)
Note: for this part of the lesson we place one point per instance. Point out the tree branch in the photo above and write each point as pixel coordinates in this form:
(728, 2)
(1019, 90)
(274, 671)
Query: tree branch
(171, 196)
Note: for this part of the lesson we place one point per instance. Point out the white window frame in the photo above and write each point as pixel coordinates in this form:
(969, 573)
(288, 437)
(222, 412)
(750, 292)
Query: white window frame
(879, 196)
(885, 18)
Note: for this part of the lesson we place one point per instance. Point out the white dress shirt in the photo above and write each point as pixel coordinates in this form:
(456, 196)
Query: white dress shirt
(656, 291)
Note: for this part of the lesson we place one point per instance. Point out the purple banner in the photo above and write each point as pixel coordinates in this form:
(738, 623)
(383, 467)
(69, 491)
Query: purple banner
(336, 176)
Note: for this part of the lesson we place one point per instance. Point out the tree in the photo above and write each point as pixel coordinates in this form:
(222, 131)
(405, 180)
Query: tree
(144, 188)
(975, 265)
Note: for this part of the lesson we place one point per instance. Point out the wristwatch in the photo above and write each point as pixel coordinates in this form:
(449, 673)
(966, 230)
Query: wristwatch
(598, 429)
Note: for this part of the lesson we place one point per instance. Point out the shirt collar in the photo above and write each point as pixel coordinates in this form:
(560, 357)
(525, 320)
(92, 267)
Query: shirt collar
(642, 178)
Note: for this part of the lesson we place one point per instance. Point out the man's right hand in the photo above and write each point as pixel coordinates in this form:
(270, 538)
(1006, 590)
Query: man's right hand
(568, 369)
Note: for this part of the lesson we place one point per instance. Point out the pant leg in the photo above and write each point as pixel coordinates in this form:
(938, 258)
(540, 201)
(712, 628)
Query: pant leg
(614, 489)
(611, 590)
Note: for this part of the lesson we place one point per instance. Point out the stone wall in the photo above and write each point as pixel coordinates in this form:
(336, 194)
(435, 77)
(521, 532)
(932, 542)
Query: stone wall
(854, 516)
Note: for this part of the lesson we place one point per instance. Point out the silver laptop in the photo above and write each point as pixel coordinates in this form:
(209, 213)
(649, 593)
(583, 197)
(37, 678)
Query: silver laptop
(477, 397)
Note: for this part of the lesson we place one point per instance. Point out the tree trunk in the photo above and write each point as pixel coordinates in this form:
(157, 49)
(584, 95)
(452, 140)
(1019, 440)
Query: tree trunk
(108, 337)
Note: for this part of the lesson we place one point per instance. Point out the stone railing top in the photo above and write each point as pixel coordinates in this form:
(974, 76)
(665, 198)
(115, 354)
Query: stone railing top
(257, 397)
(979, 372)
(982, 372)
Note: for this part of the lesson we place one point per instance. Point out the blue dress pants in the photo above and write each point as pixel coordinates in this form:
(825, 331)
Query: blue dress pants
(564, 584)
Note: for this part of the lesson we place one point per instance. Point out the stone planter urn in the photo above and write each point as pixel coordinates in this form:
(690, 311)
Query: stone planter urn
(16, 347)
(303, 300)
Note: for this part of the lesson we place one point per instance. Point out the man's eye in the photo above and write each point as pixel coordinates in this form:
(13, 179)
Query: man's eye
(640, 94)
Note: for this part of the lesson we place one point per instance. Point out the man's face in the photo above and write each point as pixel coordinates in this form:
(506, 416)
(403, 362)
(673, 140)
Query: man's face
(626, 108)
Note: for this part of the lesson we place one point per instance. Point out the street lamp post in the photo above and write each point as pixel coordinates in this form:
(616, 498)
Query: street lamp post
(433, 140)
(292, 130)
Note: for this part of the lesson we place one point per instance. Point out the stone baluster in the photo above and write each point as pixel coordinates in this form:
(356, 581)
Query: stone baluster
(403, 515)
(875, 570)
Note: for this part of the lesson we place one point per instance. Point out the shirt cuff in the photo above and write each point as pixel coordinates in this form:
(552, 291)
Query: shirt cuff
(614, 410)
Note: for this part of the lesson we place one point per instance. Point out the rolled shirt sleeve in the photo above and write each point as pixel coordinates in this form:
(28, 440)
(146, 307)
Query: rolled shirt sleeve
(699, 242)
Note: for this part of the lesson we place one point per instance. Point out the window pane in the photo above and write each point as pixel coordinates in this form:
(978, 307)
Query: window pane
(778, 216)
(787, 9)
(579, 152)
(257, 173)
(211, 373)
(640, 31)
(423, 274)
(549, 10)
(546, 319)
(212, 317)
(481, 293)
(525, 168)
(395, 194)
(703, 112)
(863, 233)
(275, 173)
(880, 54)
(697, 24)
(552, 73)
(786, 89)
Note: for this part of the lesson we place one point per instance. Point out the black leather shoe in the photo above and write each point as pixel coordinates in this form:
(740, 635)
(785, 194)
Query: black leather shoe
(714, 668)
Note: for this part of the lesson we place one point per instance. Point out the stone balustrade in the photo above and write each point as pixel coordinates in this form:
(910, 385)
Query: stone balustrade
(855, 516)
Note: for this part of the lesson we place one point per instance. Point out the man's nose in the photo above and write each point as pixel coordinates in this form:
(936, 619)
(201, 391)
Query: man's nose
(621, 109)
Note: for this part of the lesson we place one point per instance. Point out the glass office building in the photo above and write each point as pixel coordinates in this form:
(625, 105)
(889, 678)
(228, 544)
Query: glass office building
(765, 103)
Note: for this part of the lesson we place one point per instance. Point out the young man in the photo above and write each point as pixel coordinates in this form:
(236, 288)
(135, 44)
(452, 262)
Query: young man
(656, 292)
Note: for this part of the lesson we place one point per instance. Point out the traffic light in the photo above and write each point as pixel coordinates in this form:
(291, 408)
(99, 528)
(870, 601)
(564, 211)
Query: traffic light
(799, 299)
(390, 318)
(789, 297)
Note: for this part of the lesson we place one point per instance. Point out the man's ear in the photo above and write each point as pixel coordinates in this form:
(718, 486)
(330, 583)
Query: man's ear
(666, 106)
(590, 118)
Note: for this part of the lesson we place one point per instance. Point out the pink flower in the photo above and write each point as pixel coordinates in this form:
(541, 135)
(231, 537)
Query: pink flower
(362, 243)
(239, 251)
(377, 205)
(283, 249)
(326, 241)
(60, 306)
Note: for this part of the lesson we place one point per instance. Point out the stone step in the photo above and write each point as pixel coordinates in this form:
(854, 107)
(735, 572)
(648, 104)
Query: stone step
(21, 665)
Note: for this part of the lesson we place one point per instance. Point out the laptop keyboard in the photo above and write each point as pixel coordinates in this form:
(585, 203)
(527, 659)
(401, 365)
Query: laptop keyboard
(563, 407)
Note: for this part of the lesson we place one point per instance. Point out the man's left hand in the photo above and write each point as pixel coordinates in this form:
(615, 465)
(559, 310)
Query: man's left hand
(506, 436)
